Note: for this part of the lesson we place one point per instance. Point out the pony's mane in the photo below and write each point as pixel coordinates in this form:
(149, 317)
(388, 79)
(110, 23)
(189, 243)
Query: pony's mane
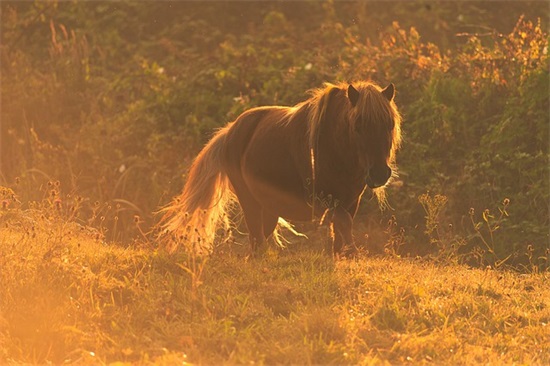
(372, 106)
(374, 109)
(317, 105)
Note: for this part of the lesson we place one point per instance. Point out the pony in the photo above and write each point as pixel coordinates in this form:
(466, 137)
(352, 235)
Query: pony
(307, 162)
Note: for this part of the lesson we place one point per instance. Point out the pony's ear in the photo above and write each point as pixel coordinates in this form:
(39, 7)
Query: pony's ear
(389, 92)
(353, 95)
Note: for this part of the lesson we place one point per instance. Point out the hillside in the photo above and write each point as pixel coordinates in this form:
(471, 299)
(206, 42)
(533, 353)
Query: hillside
(69, 297)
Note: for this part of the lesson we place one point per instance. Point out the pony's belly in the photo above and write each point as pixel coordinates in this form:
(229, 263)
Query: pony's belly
(279, 201)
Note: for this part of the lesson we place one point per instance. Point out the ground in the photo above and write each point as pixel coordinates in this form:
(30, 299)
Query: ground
(69, 297)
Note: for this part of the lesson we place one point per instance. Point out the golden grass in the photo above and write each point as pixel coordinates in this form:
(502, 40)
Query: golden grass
(68, 297)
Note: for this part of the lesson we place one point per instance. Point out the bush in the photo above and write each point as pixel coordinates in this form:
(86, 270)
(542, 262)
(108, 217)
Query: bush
(115, 99)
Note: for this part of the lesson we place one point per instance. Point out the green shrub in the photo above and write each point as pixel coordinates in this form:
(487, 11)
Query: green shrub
(115, 99)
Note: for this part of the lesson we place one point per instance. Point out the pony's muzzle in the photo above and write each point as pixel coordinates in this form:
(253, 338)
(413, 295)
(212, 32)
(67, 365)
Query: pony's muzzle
(378, 176)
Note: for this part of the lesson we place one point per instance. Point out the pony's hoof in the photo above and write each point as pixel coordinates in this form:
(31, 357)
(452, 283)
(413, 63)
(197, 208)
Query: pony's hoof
(349, 251)
(259, 251)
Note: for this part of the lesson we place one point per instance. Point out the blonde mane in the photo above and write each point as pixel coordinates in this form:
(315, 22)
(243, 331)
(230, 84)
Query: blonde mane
(373, 108)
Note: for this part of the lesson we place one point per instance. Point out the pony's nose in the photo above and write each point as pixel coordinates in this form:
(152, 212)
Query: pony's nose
(378, 176)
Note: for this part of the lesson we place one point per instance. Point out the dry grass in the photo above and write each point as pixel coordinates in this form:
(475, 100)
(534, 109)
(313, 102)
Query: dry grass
(68, 297)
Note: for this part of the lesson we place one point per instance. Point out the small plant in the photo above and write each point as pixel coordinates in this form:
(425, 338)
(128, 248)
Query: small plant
(194, 265)
(194, 262)
(441, 236)
(537, 261)
(485, 230)
(433, 206)
(396, 238)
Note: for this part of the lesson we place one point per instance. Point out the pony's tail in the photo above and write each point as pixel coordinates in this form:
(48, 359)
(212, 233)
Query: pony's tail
(192, 218)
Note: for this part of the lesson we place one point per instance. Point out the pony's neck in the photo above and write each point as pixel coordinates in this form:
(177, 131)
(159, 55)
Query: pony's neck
(338, 146)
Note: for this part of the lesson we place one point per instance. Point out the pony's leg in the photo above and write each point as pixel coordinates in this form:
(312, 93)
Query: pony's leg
(251, 208)
(341, 231)
(253, 217)
(269, 223)
(260, 230)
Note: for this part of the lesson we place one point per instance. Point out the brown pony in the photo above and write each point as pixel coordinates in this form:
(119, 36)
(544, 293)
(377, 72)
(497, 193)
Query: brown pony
(295, 163)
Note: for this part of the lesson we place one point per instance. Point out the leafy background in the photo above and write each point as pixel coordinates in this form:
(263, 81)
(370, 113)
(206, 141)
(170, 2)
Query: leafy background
(105, 104)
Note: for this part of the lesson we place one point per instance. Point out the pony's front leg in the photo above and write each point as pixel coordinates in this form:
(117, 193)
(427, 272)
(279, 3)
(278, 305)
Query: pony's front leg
(341, 232)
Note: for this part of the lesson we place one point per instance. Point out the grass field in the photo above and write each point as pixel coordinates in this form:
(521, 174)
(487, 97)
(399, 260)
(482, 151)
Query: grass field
(68, 297)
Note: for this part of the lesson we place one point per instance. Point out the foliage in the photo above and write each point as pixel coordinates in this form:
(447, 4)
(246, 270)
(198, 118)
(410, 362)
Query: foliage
(114, 99)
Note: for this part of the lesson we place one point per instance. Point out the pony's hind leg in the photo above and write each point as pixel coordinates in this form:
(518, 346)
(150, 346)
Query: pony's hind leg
(269, 222)
(260, 227)
(253, 217)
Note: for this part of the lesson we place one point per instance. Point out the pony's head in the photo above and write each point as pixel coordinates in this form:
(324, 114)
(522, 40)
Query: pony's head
(367, 118)
(375, 129)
